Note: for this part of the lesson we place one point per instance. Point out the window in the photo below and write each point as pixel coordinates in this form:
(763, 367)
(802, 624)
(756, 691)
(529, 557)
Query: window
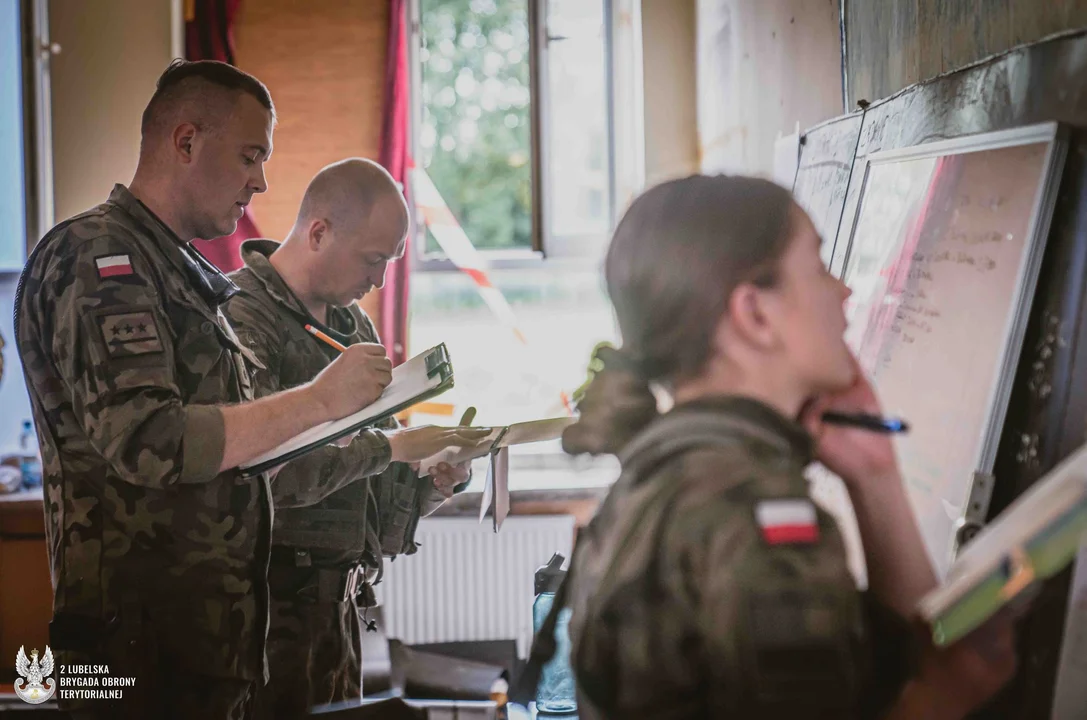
(476, 102)
(13, 230)
(515, 128)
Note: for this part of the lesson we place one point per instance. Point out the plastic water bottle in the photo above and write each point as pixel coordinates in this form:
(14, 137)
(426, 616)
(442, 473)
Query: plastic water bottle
(30, 462)
(556, 691)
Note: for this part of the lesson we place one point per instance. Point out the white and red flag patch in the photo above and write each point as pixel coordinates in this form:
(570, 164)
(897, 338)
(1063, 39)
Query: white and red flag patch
(787, 521)
(113, 265)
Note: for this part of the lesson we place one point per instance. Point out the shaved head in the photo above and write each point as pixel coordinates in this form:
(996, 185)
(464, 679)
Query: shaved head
(352, 223)
(345, 194)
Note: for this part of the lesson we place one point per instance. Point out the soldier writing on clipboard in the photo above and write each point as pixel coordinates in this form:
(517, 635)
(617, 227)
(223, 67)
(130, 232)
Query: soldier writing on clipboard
(330, 531)
(144, 408)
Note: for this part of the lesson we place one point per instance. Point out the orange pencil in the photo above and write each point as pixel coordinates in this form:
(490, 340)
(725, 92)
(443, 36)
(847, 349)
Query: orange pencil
(324, 338)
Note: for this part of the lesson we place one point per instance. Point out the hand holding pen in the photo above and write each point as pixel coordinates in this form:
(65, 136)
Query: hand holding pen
(852, 438)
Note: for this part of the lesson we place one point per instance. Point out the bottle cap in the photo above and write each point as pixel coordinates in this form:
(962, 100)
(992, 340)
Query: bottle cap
(551, 575)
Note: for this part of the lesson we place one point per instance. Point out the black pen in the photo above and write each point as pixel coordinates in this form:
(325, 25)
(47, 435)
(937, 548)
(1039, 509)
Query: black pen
(875, 423)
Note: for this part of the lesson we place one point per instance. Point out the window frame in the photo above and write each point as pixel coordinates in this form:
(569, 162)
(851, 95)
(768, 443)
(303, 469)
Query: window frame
(543, 251)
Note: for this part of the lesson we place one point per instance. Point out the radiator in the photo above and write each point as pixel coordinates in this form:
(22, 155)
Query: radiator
(468, 583)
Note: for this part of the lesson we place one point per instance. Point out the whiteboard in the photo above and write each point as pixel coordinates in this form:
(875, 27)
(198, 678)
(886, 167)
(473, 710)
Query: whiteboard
(943, 259)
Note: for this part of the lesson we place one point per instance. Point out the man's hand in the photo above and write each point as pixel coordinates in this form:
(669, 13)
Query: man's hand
(353, 380)
(419, 443)
(447, 477)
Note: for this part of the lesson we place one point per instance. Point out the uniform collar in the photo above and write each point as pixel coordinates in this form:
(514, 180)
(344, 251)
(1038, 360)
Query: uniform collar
(209, 282)
(341, 323)
(766, 423)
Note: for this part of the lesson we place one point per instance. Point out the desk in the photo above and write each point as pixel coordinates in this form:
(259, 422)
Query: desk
(26, 593)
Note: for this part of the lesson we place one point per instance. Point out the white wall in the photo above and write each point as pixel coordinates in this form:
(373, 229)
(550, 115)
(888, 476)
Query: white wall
(112, 51)
(763, 67)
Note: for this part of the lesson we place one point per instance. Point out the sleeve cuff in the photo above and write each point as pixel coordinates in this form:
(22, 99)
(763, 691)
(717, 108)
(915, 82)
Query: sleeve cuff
(203, 443)
(375, 451)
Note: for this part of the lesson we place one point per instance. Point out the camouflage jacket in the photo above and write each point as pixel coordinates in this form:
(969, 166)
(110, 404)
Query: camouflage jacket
(319, 506)
(709, 585)
(125, 355)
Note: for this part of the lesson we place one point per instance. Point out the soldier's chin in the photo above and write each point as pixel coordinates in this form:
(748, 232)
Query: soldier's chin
(221, 229)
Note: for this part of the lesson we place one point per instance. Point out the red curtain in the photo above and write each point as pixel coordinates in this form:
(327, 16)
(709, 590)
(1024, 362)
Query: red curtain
(396, 157)
(209, 35)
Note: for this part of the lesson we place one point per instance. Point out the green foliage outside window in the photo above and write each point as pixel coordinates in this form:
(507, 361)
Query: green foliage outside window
(475, 138)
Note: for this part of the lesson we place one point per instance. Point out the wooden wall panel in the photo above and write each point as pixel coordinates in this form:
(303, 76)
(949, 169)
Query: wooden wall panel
(895, 43)
(324, 63)
(668, 67)
(26, 593)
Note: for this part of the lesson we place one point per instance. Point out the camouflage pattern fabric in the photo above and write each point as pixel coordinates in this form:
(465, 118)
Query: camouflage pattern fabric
(314, 651)
(126, 356)
(322, 514)
(318, 504)
(688, 603)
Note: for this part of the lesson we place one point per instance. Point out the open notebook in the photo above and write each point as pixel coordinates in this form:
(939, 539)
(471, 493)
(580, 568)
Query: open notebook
(1034, 539)
(496, 493)
(421, 378)
(500, 437)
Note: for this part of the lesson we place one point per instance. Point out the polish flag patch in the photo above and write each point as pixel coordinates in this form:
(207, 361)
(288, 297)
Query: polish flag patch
(787, 522)
(113, 265)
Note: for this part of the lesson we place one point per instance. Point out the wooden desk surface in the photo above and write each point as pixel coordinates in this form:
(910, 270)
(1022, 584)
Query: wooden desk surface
(26, 593)
(20, 500)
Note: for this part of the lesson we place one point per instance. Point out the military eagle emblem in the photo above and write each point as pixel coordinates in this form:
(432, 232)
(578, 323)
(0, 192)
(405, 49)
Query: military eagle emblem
(29, 686)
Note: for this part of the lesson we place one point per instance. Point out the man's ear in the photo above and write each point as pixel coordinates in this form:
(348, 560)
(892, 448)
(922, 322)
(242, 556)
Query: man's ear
(317, 235)
(749, 317)
(183, 142)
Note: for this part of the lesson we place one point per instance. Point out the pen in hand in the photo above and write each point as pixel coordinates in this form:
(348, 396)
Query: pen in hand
(325, 338)
(866, 421)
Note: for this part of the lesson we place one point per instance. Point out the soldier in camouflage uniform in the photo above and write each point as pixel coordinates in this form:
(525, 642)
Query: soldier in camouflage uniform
(326, 555)
(709, 584)
(139, 387)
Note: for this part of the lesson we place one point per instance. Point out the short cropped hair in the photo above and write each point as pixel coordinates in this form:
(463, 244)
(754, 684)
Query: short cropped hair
(201, 86)
(346, 191)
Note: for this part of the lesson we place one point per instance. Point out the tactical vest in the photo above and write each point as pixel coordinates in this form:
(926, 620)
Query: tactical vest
(347, 521)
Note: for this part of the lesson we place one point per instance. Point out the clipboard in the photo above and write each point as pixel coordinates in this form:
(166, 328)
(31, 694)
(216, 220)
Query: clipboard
(1031, 541)
(421, 378)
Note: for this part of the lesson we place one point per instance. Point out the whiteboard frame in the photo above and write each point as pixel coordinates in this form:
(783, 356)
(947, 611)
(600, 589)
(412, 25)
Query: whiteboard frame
(1038, 227)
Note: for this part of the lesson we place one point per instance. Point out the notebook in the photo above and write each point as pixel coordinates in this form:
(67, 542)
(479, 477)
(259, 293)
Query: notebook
(424, 376)
(1035, 538)
(501, 437)
(496, 494)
